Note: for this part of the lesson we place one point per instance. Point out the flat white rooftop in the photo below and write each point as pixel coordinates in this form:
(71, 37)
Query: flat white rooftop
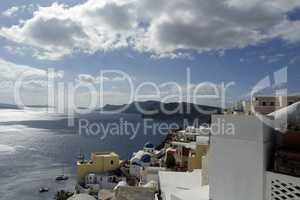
(194, 194)
(182, 186)
(190, 145)
(81, 197)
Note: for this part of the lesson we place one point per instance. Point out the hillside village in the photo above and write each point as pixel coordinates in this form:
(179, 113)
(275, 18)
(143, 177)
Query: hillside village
(260, 160)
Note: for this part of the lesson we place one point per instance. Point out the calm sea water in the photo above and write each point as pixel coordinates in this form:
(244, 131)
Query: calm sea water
(34, 147)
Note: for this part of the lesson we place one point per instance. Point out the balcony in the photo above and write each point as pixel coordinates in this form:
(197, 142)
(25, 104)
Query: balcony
(282, 187)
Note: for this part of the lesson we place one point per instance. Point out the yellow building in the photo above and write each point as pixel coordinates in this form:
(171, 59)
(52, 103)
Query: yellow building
(195, 157)
(100, 162)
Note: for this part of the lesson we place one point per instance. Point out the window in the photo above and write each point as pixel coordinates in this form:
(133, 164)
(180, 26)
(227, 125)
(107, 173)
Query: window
(272, 103)
(264, 103)
(111, 162)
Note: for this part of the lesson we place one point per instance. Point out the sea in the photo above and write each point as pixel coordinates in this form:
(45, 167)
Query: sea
(36, 146)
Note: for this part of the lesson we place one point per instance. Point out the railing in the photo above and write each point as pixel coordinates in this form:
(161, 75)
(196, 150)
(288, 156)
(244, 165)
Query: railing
(282, 187)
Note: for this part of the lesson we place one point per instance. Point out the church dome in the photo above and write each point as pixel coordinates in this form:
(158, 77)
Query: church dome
(149, 145)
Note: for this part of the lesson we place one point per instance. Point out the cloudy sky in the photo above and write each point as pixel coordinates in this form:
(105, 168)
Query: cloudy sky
(150, 40)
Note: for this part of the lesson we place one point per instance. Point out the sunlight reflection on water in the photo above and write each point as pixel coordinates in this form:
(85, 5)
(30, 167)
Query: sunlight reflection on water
(35, 145)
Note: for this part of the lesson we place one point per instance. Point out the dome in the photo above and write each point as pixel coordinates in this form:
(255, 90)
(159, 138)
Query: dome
(149, 145)
(146, 158)
(141, 156)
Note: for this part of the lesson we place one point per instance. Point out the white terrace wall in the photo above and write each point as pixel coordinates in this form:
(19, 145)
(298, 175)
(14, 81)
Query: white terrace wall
(238, 162)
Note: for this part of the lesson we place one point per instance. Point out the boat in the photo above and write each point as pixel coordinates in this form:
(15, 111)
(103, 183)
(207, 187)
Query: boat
(43, 189)
(62, 178)
(80, 156)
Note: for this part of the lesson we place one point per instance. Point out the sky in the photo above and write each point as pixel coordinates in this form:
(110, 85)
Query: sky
(157, 41)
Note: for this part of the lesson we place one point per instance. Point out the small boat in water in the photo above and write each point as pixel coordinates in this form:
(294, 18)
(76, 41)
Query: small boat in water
(62, 178)
(80, 155)
(43, 189)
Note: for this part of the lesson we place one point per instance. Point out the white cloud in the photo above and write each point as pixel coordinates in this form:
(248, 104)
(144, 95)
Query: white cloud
(215, 24)
(33, 86)
(10, 12)
(288, 30)
(58, 30)
(272, 58)
(12, 71)
(16, 50)
(87, 78)
(15, 10)
(171, 55)
(35, 83)
(32, 78)
(161, 27)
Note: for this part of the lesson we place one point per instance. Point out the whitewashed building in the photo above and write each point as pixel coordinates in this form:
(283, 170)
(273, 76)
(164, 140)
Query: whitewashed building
(182, 186)
(102, 181)
(238, 162)
(141, 159)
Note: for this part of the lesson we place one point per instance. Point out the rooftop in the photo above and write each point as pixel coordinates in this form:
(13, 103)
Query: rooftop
(190, 145)
(81, 197)
(134, 193)
(189, 186)
(104, 154)
(96, 154)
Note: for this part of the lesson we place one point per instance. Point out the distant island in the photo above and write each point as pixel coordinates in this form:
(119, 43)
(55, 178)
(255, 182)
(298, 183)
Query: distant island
(9, 106)
(178, 110)
(16, 107)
